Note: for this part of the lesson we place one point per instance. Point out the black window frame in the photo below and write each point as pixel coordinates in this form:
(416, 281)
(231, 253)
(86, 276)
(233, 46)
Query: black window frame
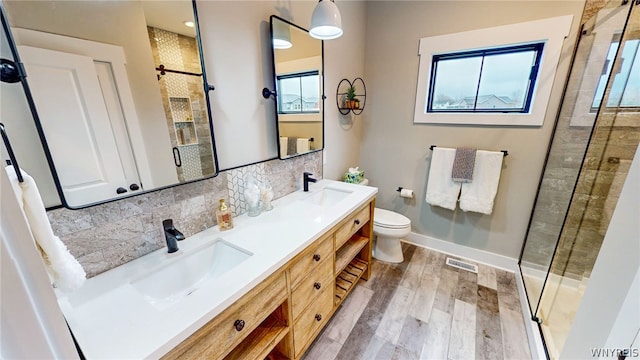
(298, 75)
(538, 47)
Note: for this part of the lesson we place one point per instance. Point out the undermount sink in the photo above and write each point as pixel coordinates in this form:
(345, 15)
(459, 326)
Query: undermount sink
(184, 274)
(328, 196)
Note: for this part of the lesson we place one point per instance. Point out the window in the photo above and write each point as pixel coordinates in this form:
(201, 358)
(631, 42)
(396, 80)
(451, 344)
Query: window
(626, 83)
(498, 79)
(463, 79)
(299, 93)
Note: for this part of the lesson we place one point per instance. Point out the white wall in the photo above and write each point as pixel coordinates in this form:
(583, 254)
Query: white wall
(235, 36)
(610, 303)
(395, 152)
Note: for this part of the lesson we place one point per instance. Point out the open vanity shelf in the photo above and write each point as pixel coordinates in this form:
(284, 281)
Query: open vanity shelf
(353, 252)
(349, 251)
(264, 340)
(348, 278)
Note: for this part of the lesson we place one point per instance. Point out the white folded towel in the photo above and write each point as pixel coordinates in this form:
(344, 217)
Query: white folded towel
(441, 189)
(478, 195)
(65, 271)
(283, 146)
(303, 145)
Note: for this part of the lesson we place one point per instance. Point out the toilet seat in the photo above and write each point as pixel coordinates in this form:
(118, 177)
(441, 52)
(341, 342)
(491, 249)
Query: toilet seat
(389, 219)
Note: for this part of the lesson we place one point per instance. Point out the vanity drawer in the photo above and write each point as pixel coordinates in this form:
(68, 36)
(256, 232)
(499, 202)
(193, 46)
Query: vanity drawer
(310, 259)
(353, 224)
(215, 339)
(309, 288)
(311, 320)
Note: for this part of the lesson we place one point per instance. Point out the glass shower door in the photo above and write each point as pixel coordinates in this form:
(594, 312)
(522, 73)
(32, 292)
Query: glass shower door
(592, 147)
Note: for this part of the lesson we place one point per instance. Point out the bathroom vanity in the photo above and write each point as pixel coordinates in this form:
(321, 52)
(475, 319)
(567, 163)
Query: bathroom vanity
(263, 289)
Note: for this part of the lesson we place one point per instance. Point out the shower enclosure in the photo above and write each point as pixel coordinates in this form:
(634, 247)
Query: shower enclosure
(594, 141)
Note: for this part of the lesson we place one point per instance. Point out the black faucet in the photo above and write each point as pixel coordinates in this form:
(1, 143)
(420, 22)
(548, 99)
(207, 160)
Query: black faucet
(172, 235)
(306, 179)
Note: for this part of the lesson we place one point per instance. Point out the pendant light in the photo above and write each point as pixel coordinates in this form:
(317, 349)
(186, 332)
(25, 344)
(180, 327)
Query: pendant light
(281, 35)
(326, 22)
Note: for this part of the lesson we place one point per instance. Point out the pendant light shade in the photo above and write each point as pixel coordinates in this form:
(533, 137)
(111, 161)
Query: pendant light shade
(281, 35)
(326, 22)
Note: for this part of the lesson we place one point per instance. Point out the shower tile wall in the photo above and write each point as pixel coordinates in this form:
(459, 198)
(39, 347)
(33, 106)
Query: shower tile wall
(612, 147)
(561, 171)
(610, 153)
(179, 52)
(108, 235)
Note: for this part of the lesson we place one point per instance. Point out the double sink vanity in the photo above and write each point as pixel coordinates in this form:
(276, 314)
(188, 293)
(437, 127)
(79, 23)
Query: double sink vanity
(263, 289)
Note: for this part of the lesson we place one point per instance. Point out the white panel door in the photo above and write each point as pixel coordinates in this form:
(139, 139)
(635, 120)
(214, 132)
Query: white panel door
(75, 120)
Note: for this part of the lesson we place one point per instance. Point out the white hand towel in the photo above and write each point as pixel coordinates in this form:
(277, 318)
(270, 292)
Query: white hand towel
(303, 145)
(283, 146)
(441, 189)
(478, 195)
(65, 271)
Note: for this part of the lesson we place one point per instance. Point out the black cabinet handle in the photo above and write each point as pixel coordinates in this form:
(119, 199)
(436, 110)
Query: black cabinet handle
(317, 286)
(316, 257)
(318, 317)
(239, 325)
(134, 187)
(121, 190)
(176, 157)
(356, 221)
(210, 87)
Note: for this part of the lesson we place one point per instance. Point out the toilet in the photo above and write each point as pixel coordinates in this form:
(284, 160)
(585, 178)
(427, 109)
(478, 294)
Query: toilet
(389, 227)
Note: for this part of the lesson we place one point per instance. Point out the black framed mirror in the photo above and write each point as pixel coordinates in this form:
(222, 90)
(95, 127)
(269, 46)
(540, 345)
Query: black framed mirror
(119, 95)
(298, 68)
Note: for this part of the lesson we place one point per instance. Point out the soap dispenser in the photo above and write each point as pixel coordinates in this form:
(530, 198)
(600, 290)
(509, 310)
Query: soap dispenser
(223, 215)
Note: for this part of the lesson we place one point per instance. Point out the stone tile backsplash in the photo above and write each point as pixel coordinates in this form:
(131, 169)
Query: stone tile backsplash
(105, 236)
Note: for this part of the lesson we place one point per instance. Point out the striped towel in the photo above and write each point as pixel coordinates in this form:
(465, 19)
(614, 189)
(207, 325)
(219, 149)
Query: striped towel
(463, 164)
(292, 146)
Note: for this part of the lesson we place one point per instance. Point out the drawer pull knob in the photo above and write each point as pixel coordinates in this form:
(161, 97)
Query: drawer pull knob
(318, 317)
(356, 221)
(239, 325)
(316, 257)
(317, 286)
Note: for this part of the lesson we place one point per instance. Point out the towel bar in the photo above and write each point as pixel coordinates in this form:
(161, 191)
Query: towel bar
(505, 152)
(12, 156)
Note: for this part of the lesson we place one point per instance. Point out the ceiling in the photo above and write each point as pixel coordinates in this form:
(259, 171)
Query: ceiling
(169, 15)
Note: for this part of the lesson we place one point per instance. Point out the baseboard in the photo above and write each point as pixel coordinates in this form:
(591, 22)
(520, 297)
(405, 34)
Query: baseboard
(480, 256)
(498, 261)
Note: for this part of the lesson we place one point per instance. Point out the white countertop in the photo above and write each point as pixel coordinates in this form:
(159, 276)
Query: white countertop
(111, 319)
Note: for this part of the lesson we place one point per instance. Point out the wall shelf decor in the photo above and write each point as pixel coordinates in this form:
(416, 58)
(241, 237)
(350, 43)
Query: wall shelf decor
(351, 96)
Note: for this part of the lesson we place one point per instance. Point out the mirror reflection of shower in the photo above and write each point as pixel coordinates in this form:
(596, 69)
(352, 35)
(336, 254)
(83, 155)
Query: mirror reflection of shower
(177, 62)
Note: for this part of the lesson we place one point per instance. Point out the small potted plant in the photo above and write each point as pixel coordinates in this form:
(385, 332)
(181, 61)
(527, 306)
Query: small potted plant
(351, 96)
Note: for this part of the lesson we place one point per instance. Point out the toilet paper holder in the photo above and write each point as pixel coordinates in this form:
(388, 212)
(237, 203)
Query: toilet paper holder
(405, 193)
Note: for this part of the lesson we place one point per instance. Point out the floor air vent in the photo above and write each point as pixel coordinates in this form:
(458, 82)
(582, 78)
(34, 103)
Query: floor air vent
(462, 265)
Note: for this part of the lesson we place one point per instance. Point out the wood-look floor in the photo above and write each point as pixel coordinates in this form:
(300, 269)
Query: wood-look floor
(425, 309)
